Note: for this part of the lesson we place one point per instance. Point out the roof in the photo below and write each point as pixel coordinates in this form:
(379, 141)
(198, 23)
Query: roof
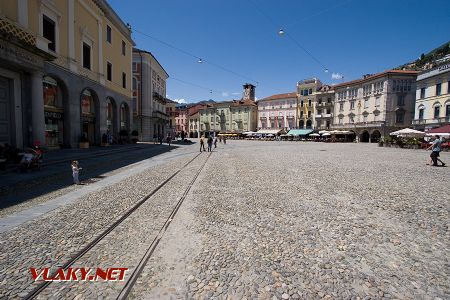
(443, 129)
(137, 50)
(299, 131)
(280, 96)
(375, 76)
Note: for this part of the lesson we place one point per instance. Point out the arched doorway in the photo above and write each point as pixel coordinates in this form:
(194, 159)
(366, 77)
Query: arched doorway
(89, 117)
(301, 124)
(54, 92)
(375, 136)
(352, 136)
(365, 137)
(308, 124)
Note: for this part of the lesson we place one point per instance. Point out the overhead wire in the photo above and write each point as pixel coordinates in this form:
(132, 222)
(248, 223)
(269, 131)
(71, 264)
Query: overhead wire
(281, 28)
(198, 58)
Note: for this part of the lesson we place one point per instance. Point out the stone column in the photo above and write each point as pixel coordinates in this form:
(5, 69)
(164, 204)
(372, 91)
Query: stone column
(37, 108)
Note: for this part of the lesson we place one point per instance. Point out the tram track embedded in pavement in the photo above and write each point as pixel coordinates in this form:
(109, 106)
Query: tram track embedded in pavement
(42, 286)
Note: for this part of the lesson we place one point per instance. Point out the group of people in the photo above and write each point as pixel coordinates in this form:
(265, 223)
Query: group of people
(435, 150)
(210, 141)
(159, 138)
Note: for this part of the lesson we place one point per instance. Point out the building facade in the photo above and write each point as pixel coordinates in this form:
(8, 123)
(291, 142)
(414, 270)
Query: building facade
(433, 98)
(193, 120)
(236, 116)
(278, 112)
(150, 116)
(181, 124)
(172, 112)
(375, 105)
(306, 115)
(66, 70)
(324, 106)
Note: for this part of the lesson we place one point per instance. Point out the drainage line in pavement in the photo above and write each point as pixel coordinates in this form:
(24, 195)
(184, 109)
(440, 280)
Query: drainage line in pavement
(94, 242)
(140, 267)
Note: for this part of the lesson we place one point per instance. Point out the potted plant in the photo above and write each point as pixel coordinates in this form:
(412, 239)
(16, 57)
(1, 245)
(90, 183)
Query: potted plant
(84, 142)
(380, 143)
(134, 135)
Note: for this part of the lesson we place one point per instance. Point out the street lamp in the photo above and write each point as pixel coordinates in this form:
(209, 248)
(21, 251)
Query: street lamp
(281, 32)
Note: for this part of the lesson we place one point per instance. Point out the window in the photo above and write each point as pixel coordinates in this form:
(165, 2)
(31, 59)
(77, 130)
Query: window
(340, 120)
(124, 47)
(329, 100)
(319, 111)
(310, 91)
(400, 117)
(377, 101)
(309, 114)
(309, 102)
(437, 109)
(375, 117)
(422, 93)
(124, 80)
(86, 56)
(108, 34)
(320, 101)
(135, 85)
(366, 103)
(352, 104)
(48, 31)
(400, 100)
(365, 118)
(341, 106)
(351, 118)
(109, 71)
(421, 111)
(438, 89)
(134, 67)
(301, 114)
(301, 103)
(447, 111)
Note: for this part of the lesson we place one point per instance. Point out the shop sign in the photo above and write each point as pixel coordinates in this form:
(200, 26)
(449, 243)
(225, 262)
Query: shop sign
(53, 115)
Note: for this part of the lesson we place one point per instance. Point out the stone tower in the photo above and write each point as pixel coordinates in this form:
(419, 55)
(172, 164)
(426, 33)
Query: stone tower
(249, 92)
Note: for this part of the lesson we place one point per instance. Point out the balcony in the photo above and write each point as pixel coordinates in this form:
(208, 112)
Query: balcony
(160, 115)
(327, 115)
(442, 120)
(358, 125)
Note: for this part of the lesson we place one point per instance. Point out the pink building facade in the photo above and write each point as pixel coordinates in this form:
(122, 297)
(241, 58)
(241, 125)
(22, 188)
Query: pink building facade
(181, 123)
(278, 112)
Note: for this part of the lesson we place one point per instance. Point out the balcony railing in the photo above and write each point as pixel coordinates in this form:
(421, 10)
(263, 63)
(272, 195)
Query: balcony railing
(359, 125)
(431, 121)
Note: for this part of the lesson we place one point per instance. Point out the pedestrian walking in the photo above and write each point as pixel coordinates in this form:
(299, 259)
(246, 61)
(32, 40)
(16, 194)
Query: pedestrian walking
(224, 140)
(202, 143)
(435, 150)
(160, 138)
(169, 138)
(75, 171)
(215, 142)
(154, 138)
(210, 142)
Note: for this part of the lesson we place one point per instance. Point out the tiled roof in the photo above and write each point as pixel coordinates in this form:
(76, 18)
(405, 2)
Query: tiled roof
(375, 76)
(280, 96)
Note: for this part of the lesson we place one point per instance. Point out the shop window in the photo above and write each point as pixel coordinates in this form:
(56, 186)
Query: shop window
(86, 56)
(48, 31)
(50, 89)
(86, 102)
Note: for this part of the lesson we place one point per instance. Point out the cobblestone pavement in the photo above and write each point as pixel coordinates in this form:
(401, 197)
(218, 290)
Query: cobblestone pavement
(264, 220)
(308, 221)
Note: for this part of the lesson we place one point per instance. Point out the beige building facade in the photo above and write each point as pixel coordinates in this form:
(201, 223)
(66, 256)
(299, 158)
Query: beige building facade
(324, 107)
(375, 105)
(67, 67)
(236, 116)
(433, 98)
(150, 117)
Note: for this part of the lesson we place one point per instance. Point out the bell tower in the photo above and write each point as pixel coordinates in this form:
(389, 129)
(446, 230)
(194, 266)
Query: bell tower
(249, 92)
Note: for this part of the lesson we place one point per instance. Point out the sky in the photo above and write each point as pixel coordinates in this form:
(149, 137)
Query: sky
(238, 41)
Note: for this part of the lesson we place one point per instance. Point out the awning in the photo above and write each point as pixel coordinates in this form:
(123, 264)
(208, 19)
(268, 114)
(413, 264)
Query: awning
(269, 131)
(300, 131)
(443, 129)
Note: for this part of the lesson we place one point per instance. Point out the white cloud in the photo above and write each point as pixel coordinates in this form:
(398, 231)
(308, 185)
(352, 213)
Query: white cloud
(337, 76)
(181, 100)
(225, 94)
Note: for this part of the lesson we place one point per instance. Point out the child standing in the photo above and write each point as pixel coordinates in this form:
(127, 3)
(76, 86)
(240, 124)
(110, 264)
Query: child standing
(75, 170)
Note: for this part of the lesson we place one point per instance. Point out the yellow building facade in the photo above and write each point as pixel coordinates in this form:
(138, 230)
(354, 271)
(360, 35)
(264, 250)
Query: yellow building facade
(82, 52)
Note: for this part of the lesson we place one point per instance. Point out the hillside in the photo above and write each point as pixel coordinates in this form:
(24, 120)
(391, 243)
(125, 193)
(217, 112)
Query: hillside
(428, 60)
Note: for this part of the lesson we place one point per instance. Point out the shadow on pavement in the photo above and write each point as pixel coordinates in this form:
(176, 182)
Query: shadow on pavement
(16, 188)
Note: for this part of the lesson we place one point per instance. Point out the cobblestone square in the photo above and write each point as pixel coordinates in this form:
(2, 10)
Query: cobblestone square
(263, 220)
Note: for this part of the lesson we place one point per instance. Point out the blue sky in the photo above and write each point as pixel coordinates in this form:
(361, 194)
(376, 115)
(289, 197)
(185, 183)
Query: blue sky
(349, 37)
